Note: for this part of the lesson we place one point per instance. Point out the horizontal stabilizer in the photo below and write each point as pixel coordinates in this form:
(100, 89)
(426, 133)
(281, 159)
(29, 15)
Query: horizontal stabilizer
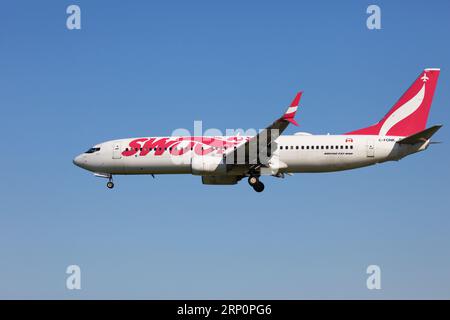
(421, 136)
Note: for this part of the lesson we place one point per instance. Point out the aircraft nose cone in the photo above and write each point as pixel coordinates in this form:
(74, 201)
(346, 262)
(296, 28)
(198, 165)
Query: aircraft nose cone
(78, 161)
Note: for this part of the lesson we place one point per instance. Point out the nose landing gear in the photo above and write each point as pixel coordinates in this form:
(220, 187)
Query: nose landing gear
(108, 176)
(257, 185)
(110, 184)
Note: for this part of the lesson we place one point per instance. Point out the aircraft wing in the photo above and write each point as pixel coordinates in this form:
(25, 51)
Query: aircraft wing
(257, 150)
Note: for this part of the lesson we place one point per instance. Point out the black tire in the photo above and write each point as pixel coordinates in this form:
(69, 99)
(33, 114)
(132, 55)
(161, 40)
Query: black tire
(252, 180)
(259, 187)
(110, 185)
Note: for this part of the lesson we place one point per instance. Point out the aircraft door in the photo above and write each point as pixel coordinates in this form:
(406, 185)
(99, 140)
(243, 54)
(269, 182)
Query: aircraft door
(117, 151)
(370, 148)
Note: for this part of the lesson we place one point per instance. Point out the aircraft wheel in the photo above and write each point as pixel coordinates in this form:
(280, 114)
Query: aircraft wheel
(259, 187)
(110, 185)
(252, 180)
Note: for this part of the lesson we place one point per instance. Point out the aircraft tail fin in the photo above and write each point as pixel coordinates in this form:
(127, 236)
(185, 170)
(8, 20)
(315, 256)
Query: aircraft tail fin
(410, 113)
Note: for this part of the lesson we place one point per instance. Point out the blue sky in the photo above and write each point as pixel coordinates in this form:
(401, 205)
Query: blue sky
(145, 68)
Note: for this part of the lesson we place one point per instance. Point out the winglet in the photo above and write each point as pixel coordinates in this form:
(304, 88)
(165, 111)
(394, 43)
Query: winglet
(290, 112)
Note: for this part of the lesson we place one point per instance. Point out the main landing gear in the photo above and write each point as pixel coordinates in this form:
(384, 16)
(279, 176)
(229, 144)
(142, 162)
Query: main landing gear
(257, 185)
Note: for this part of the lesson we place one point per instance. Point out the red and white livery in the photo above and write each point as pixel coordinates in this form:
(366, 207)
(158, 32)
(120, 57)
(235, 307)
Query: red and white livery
(224, 160)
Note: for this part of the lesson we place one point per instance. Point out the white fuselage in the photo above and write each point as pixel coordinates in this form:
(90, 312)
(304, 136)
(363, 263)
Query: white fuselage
(295, 153)
(223, 160)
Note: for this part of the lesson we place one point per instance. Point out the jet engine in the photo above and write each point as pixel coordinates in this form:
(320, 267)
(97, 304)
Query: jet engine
(208, 165)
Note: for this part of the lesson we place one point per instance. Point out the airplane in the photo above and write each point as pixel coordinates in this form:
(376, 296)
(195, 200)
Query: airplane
(225, 160)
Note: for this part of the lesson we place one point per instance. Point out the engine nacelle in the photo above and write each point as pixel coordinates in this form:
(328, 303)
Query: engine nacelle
(208, 165)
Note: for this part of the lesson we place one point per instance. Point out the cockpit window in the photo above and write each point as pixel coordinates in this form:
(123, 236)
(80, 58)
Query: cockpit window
(92, 150)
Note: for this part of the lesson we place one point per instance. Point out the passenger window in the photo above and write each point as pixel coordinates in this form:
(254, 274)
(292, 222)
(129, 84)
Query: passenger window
(303, 147)
(296, 147)
(351, 147)
(326, 147)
